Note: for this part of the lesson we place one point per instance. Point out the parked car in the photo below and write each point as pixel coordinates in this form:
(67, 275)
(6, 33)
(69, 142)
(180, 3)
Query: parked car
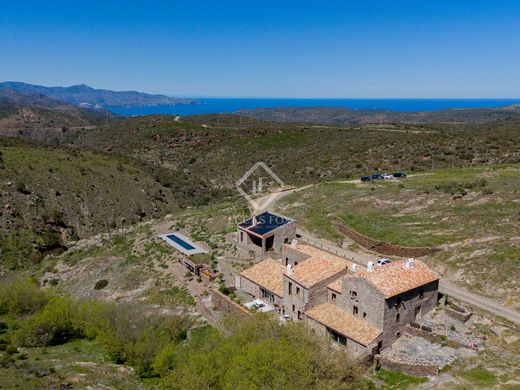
(377, 176)
(366, 178)
(382, 262)
(388, 176)
(285, 317)
(399, 175)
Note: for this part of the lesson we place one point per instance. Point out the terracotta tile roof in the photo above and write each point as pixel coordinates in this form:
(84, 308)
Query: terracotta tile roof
(267, 274)
(319, 266)
(336, 285)
(395, 278)
(342, 322)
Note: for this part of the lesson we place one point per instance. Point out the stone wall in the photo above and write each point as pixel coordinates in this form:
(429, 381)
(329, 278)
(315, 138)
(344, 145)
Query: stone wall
(382, 247)
(318, 293)
(355, 350)
(292, 256)
(415, 369)
(297, 299)
(405, 305)
(368, 299)
(227, 306)
(460, 315)
(256, 291)
(434, 337)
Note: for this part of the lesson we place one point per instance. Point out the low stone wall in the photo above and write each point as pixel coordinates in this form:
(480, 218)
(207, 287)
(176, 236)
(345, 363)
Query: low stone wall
(227, 306)
(415, 369)
(460, 315)
(383, 247)
(434, 337)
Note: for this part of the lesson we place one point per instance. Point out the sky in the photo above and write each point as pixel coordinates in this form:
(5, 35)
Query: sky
(247, 48)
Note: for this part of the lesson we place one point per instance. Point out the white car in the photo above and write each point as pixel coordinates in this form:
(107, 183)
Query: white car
(258, 305)
(388, 176)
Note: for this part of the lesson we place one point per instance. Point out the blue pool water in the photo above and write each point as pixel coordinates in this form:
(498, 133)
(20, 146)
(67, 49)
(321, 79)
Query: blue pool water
(222, 105)
(180, 241)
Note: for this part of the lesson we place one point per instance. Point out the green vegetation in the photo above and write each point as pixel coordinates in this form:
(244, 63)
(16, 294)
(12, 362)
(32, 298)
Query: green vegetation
(479, 377)
(256, 352)
(259, 353)
(397, 380)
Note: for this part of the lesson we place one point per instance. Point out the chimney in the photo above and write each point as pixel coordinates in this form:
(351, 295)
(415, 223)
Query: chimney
(353, 268)
(294, 243)
(253, 222)
(289, 269)
(370, 266)
(409, 263)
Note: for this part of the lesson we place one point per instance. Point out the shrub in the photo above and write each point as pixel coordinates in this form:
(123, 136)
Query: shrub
(134, 338)
(101, 284)
(260, 353)
(21, 296)
(53, 325)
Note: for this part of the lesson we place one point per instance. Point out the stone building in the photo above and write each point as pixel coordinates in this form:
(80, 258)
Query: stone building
(364, 309)
(387, 298)
(265, 234)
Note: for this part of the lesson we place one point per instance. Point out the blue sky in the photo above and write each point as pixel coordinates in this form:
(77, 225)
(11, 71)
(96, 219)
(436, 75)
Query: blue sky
(351, 49)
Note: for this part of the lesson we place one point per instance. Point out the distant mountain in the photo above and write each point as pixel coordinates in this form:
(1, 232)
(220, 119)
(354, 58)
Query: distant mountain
(88, 97)
(37, 115)
(346, 116)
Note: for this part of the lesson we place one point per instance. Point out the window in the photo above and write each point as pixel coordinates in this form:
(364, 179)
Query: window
(398, 334)
(297, 290)
(353, 294)
(397, 317)
(286, 240)
(295, 263)
(286, 261)
(293, 308)
(336, 337)
(267, 296)
(355, 310)
(299, 315)
(421, 293)
(290, 288)
(241, 236)
(333, 297)
(364, 315)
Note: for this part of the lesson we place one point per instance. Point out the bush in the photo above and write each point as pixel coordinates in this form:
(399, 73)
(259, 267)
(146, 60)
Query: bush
(21, 296)
(134, 338)
(101, 284)
(260, 353)
(53, 325)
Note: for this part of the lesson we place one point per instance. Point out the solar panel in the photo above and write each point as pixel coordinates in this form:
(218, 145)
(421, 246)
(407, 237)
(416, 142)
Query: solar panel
(264, 223)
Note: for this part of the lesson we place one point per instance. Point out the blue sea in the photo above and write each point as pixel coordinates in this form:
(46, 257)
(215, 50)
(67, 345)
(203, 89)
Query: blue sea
(224, 105)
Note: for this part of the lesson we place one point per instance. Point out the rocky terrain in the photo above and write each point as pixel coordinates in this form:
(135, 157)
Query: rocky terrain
(346, 116)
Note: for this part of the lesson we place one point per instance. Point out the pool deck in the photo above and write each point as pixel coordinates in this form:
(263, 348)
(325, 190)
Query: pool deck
(196, 248)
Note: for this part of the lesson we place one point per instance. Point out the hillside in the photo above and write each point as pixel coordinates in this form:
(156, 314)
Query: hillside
(345, 116)
(83, 95)
(221, 148)
(40, 117)
(471, 214)
(50, 196)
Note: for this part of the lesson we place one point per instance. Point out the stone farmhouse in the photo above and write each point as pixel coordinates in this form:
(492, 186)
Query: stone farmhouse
(364, 309)
(265, 234)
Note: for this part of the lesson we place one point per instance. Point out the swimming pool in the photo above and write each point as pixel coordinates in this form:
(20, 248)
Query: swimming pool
(182, 243)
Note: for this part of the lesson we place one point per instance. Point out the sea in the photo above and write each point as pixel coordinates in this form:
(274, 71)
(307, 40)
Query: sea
(230, 105)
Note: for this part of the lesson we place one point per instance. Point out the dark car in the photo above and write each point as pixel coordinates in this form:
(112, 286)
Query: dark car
(377, 176)
(366, 178)
(399, 174)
